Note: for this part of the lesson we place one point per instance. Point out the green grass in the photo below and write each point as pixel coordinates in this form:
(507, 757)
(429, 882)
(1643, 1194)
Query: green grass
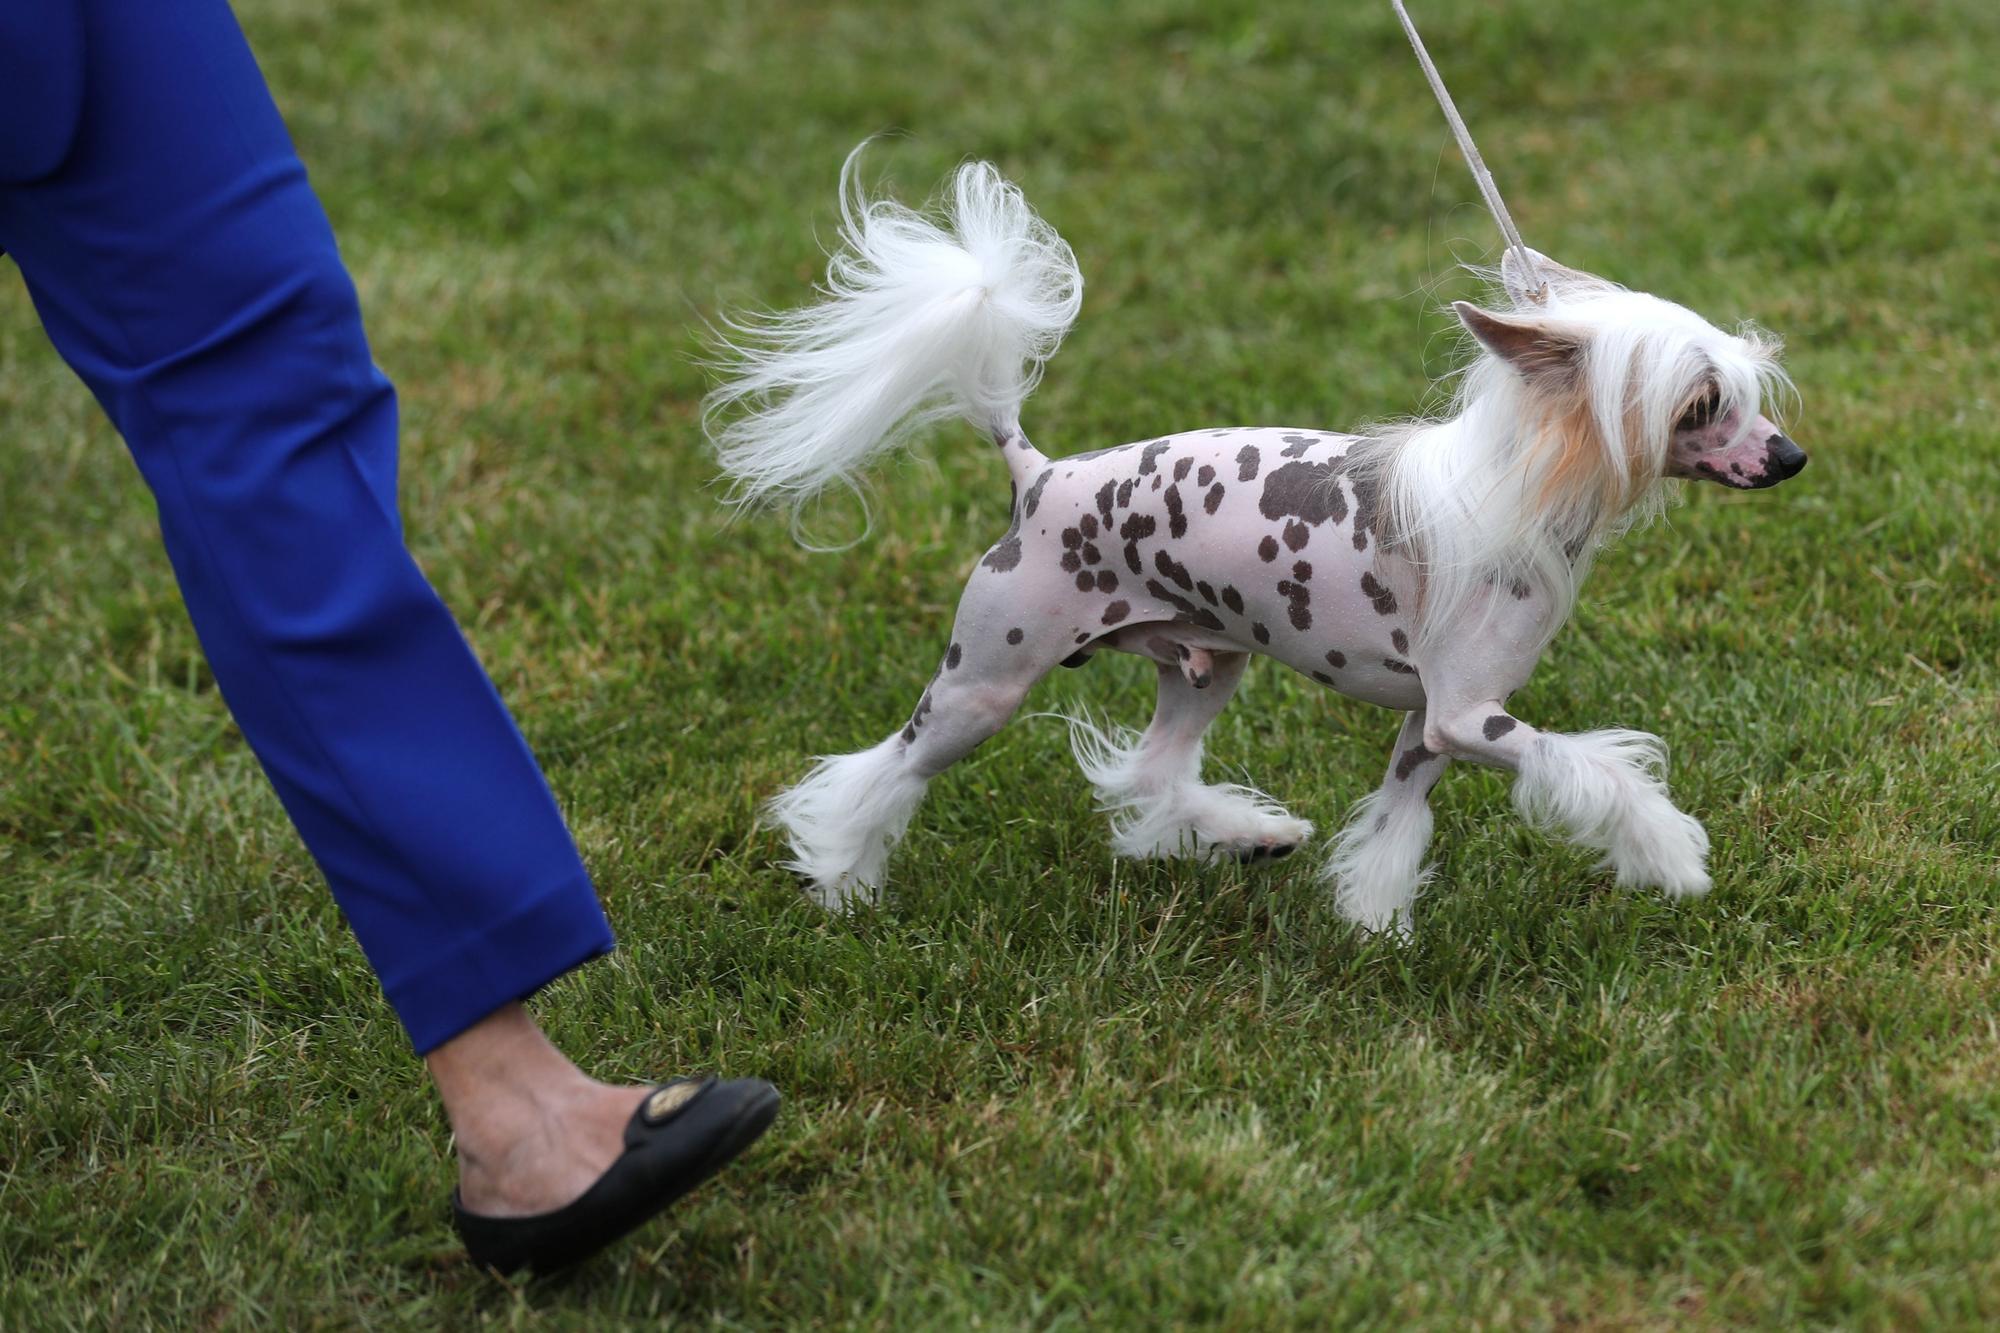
(1043, 1089)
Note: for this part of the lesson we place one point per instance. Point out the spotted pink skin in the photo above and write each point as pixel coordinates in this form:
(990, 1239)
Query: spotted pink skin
(1244, 539)
(1762, 457)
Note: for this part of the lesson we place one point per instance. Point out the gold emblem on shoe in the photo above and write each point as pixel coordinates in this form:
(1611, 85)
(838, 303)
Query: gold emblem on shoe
(665, 1101)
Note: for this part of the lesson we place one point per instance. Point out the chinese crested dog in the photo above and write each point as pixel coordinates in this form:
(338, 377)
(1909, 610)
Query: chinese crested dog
(1422, 565)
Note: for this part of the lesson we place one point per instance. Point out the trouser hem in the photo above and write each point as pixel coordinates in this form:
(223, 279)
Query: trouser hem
(483, 970)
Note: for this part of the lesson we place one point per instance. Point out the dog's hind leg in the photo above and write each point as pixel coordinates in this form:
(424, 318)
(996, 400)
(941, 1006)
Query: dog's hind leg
(1377, 865)
(846, 815)
(1152, 786)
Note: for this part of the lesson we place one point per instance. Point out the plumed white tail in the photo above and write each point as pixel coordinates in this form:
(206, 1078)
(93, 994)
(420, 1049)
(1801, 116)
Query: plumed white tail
(922, 318)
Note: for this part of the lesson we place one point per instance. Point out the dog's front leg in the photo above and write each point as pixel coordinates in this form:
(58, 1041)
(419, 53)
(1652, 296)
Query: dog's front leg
(1605, 789)
(1377, 865)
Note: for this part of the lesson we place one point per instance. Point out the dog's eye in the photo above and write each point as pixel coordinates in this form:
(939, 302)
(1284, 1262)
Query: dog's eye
(1701, 411)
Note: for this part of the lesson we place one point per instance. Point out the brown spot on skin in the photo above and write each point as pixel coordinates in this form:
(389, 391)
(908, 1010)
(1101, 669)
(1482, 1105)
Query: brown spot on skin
(1158, 477)
(1176, 519)
(1302, 570)
(1173, 569)
(1305, 491)
(1107, 581)
(1295, 445)
(1081, 637)
(1263, 635)
(1138, 527)
(1116, 612)
(1072, 538)
(1335, 659)
(1382, 597)
(1411, 760)
(1213, 500)
(1400, 640)
(1247, 460)
(1297, 535)
(1085, 581)
(1150, 455)
(1193, 612)
(1034, 496)
(1232, 599)
(1181, 468)
(1207, 593)
(1322, 678)
(917, 718)
(1125, 493)
(1400, 668)
(1267, 550)
(1004, 556)
(1088, 524)
(1497, 726)
(953, 657)
(1520, 589)
(1071, 562)
(1091, 555)
(1300, 598)
(1104, 494)
(1367, 516)
(1132, 558)
(1014, 636)
(1205, 476)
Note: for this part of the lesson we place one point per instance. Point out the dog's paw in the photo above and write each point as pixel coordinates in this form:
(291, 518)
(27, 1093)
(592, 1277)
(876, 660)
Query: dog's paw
(1255, 836)
(1249, 854)
(1664, 849)
(839, 897)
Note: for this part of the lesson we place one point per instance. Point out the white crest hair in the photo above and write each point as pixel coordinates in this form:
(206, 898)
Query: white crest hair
(1529, 475)
(922, 317)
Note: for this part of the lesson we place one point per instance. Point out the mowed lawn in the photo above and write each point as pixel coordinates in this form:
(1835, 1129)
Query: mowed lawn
(1040, 1088)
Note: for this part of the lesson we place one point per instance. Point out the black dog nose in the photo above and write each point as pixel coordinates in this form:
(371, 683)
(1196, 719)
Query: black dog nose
(1785, 458)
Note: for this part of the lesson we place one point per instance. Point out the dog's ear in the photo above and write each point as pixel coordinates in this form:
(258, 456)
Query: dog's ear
(1536, 347)
(1524, 288)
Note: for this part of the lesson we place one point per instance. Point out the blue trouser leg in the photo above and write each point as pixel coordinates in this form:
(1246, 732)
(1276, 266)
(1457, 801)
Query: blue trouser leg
(183, 267)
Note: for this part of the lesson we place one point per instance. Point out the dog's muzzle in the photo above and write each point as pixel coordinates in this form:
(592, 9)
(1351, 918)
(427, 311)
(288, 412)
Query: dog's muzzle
(1782, 460)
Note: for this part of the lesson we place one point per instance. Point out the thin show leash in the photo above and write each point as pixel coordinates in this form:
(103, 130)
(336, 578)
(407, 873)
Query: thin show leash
(1487, 189)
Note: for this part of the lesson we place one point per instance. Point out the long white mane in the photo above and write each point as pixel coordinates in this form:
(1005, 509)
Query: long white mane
(1530, 473)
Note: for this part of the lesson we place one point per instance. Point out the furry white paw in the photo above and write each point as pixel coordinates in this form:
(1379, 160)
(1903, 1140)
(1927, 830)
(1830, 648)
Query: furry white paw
(1159, 806)
(1377, 868)
(843, 895)
(1666, 849)
(843, 818)
(1606, 789)
(1245, 831)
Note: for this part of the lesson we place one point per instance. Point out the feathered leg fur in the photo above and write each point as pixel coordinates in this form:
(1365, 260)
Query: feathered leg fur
(1377, 867)
(1151, 785)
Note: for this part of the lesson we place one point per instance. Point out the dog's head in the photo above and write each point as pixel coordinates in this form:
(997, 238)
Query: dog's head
(1620, 389)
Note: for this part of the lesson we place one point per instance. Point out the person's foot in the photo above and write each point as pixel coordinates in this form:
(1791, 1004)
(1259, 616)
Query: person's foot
(519, 1155)
(553, 1165)
(682, 1133)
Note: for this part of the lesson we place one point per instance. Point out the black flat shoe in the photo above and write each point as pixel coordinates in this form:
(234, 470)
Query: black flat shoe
(683, 1133)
